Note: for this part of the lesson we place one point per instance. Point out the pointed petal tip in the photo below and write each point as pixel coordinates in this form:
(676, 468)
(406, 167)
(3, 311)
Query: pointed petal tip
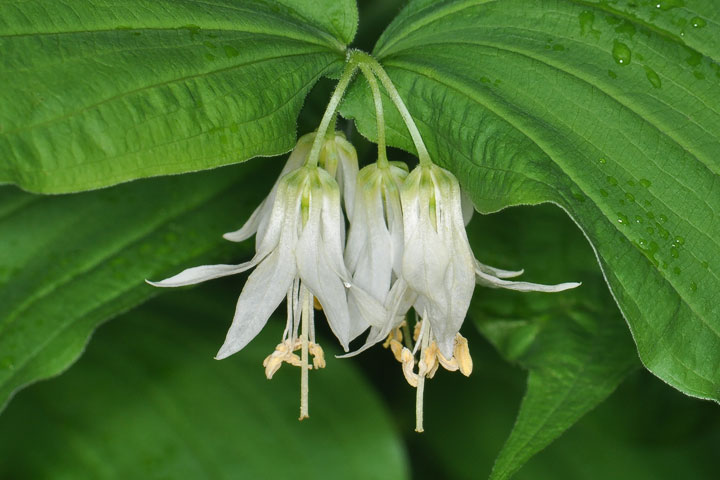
(156, 284)
(224, 352)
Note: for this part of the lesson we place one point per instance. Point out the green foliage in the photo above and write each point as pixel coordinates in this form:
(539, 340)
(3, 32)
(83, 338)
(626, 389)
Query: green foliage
(148, 401)
(72, 262)
(574, 344)
(608, 109)
(96, 93)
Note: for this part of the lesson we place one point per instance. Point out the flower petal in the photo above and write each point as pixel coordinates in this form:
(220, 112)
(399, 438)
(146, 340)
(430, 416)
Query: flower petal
(258, 221)
(194, 275)
(487, 280)
(496, 272)
(347, 172)
(266, 287)
(320, 265)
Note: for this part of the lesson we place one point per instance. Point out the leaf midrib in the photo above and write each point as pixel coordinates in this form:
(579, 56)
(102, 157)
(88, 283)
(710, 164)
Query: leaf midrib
(622, 235)
(93, 266)
(156, 85)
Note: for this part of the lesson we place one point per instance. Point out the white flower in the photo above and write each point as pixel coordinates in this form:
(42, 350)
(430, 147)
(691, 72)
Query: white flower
(437, 277)
(301, 247)
(375, 240)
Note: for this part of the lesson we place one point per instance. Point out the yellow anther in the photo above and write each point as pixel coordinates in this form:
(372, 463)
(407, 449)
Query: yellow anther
(396, 348)
(408, 364)
(417, 330)
(428, 364)
(462, 355)
(318, 355)
(317, 304)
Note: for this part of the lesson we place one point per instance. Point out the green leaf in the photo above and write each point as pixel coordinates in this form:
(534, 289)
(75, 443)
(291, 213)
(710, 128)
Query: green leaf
(96, 93)
(148, 401)
(71, 262)
(608, 110)
(574, 344)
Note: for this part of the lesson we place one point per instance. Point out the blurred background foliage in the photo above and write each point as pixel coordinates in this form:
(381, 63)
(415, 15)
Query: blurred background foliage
(147, 400)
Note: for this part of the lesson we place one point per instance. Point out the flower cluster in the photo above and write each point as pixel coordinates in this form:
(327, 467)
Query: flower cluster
(406, 249)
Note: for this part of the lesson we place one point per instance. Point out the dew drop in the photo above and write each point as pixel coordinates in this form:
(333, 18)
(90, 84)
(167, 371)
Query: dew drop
(558, 48)
(587, 19)
(230, 51)
(669, 4)
(699, 75)
(662, 218)
(638, 219)
(674, 252)
(645, 182)
(650, 230)
(209, 45)
(602, 161)
(604, 193)
(677, 270)
(630, 197)
(626, 28)
(612, 181)
(621, 53)
(705, 264)
(210, 56)
(679, 240)
(650, 215)
(693, 286)
(653, 77)
(631, 183)
(612, 74)
(698, 22)
(622, 219)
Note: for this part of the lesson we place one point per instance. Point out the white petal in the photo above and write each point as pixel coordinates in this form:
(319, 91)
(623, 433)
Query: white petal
(400, 299)
(347, 172)
(194, 275)
(266, 287)
(258, 221)
(493, 282)
(496, 272)
(250, 227)
(320, 276)
(468, 209)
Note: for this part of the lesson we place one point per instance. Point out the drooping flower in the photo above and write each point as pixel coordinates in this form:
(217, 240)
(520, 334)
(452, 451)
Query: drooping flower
(299, 257)
(437, 277)
(374, 247)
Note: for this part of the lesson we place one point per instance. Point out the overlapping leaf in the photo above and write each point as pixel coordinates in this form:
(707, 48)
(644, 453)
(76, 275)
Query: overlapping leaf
(71, 262)
(96, 93)
(610, 110)
(148, 401)
(574, 345)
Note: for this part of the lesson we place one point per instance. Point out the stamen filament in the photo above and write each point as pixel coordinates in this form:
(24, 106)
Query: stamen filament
(382, 160)
(305, 321)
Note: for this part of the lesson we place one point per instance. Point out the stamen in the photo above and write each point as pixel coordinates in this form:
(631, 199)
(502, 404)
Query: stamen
(304, 387)
(394, 341)
(408, 365)
(423, 369)
(462, 355)
(318, 355)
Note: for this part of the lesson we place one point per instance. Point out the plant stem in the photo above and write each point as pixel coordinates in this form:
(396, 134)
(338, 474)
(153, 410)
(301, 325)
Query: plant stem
(329, 114)
(423, 154)
(382, 150)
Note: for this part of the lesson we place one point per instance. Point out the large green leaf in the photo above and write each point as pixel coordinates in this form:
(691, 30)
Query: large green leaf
(148, 401)
(68, 263)
(95, 93)
(608, 109)
(574, 344)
